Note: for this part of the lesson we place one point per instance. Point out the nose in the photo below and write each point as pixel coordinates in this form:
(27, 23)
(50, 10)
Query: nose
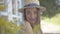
(32, 16)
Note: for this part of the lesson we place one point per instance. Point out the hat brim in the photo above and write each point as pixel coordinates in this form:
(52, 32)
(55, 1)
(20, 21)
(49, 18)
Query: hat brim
(40, 8)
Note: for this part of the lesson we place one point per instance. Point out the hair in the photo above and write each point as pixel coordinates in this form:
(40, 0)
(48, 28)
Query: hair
(38, 20)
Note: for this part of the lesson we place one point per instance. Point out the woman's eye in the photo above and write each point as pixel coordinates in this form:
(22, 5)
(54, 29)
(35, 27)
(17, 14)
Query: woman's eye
(28, 12)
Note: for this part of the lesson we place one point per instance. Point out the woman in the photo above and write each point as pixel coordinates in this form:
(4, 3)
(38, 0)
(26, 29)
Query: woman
(32, 12)
(32, 18)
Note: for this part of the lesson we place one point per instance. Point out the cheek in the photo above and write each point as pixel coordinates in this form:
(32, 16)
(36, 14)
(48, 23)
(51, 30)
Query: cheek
(36, 16)
(28, 16)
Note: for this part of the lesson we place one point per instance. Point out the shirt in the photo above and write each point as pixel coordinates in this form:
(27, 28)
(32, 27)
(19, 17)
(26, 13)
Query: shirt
(27, 29)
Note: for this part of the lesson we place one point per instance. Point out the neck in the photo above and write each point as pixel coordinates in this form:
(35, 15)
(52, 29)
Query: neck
(32, 25)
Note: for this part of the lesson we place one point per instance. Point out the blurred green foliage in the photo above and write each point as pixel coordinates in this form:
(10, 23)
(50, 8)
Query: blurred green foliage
(8, 27)
(52, 13)
(51, 8)
(3, 7)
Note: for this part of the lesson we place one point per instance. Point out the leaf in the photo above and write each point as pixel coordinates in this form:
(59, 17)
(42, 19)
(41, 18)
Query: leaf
(2, 7)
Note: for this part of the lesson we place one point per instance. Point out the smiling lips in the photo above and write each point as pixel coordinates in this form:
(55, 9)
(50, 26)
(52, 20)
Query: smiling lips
(32, 19)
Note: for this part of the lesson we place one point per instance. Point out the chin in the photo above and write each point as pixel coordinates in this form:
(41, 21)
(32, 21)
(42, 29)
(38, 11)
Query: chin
(32, 22)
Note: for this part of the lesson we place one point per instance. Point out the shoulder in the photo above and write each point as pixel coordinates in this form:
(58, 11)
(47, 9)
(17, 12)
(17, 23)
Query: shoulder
(28, 28)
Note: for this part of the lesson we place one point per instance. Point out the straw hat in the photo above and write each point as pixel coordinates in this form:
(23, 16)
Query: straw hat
(31, 3)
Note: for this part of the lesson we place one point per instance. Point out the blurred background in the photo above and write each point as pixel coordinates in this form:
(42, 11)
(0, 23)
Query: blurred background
(11, 19)
(51, 17)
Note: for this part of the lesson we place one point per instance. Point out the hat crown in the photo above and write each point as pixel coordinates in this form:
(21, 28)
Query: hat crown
(26, 2)
(31, 3)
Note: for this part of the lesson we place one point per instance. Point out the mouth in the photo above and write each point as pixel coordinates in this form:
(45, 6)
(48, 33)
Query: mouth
(33, 19)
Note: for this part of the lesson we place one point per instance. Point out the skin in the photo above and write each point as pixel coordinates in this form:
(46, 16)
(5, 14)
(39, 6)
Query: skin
(31, 15)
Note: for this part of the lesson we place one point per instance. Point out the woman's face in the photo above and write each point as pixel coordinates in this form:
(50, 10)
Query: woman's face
(31, 14)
